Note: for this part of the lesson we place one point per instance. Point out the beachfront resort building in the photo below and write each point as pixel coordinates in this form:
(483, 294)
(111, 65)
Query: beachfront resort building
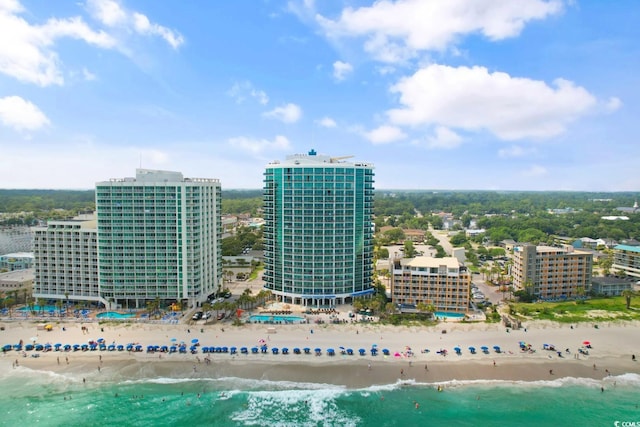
(66, 260)
(626, 259)
(442, 283)
(159, 237)
(318, 231)
(552, 273)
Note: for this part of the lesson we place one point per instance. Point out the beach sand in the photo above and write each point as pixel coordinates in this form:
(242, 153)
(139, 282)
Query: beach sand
(612, 347)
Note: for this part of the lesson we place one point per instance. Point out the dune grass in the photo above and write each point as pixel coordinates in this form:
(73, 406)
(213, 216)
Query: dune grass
(591, 310)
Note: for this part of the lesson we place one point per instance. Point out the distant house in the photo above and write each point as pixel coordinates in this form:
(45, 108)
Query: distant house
(415, 235)
(474, 232)
(587, 243)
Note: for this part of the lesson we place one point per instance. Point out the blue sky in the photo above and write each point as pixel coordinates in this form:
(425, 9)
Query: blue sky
(456, 94)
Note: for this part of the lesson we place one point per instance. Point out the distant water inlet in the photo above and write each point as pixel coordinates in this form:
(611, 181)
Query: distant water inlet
(267, 318)
(114, 315)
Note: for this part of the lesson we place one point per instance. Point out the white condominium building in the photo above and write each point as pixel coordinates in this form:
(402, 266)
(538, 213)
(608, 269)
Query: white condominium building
(159, 238)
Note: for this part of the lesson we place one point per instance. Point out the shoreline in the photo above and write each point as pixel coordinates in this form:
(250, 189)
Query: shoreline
(612, 347)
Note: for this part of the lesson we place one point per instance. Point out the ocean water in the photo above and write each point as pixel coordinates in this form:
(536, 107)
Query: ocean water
(46, 399)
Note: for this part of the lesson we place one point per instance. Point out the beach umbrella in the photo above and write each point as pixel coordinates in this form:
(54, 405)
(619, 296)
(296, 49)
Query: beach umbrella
(583, 342)
(194, 341)
(7, 347)
(174, 339)
(331, 352)
(350, 351)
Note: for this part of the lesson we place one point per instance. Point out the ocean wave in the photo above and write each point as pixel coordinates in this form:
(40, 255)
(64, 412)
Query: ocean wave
(295, 407)
(623, 380)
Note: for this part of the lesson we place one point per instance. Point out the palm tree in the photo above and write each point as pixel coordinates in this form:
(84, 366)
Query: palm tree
(59, 307)
(628, 294)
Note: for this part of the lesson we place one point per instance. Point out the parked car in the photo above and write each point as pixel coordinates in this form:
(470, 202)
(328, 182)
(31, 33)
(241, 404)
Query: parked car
(197, 315)
(207, 315)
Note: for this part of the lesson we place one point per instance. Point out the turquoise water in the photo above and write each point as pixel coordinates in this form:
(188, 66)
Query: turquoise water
(444, 314)
(37, 308)
(272, 318)
(114, 315)
(48, 399)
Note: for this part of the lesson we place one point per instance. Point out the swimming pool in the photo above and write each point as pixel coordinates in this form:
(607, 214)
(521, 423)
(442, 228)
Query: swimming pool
(447, 315)
(268, 318)
(114, 315)
(38, 308)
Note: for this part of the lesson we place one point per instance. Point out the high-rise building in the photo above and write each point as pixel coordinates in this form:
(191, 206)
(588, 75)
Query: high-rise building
(551, 273)
(318, 232)
(159, 237)
(441, 282)
(66, 260)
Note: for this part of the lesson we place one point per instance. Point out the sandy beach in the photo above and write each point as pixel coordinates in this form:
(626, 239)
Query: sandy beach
(612, 347)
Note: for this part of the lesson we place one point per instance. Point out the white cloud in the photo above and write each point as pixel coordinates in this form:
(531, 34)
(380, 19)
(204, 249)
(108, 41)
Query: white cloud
(384, 134)
(341, 70)
(475, 99)
(256, 146)
(444, 138)
(112, 14)
(109, 12)
(515, 151)
(289, 113)
(535, 171)
(143, 26)
(397, 30)
(613, 104)
(88, 75)
(27, 53)
(327, 122)
(20, 114)
(241, 90)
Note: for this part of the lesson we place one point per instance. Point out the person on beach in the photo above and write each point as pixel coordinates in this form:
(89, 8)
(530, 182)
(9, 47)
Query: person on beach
(426, 368)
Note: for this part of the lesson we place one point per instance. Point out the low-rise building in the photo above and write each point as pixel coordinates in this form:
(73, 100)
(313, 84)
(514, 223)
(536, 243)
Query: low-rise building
(441, 282)
(16, 261)
(17, 281)
(612, 286)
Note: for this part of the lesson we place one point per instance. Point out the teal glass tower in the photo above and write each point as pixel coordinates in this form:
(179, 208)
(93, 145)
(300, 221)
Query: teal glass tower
(159, 237)
(318, 231)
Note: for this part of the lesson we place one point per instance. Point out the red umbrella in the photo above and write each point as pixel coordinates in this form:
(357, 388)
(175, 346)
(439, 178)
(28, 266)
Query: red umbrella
(586, 342)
